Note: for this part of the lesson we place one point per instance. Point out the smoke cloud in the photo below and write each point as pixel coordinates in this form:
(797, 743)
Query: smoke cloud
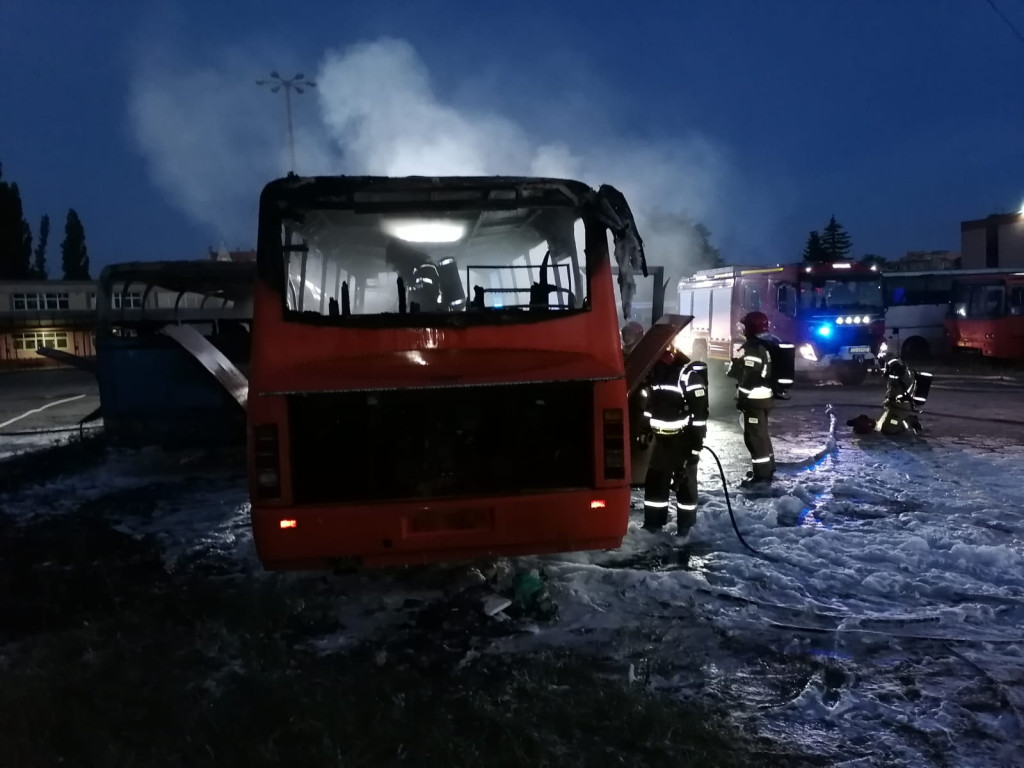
(212, 139)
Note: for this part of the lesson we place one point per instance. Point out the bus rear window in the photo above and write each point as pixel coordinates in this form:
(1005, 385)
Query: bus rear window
(478, 265)
(1017, 300)
(979, 301)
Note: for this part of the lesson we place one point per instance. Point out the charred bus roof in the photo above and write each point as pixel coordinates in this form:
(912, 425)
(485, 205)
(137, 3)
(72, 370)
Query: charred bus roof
(221, 279)
(424, 192)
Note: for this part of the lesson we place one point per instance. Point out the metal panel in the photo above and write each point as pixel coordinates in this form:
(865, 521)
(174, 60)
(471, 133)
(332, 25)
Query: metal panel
(721, 313)
(702, 309)
(212, 359)
(87, 364)
(645, 354)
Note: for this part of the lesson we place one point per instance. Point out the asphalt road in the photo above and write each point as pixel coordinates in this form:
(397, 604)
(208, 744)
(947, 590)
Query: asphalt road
(45, 399)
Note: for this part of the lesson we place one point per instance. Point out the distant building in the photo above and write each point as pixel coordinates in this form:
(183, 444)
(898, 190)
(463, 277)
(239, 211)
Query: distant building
(46, 313)
(924, 261)
(995, 242)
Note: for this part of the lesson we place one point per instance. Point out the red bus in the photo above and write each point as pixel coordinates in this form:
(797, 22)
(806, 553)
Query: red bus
(436, 372)
(986, 316)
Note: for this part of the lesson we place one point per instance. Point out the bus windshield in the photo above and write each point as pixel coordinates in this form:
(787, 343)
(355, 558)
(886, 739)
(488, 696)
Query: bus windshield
(843, 294)
(465, 265)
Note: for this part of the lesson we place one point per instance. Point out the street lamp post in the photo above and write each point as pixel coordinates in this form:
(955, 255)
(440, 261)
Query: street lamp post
(299, 83)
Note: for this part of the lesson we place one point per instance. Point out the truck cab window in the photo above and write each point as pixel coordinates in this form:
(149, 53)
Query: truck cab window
(751, 298)
(786, 299)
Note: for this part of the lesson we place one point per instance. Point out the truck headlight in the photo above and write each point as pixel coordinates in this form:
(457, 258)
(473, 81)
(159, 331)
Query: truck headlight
(807, 353)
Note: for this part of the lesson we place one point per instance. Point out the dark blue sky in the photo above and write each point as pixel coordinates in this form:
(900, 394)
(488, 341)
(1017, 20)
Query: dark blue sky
(902, 117)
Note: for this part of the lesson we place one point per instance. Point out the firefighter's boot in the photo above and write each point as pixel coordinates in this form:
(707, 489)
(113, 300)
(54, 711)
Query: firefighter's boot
(655, 517)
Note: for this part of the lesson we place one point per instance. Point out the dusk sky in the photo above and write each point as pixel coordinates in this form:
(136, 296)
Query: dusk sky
(901, 117)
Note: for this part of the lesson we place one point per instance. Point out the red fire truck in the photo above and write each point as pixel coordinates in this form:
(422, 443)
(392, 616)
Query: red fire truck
(832, 312)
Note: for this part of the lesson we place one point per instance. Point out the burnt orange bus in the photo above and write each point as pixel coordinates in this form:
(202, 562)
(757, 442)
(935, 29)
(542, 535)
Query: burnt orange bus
(436, 372)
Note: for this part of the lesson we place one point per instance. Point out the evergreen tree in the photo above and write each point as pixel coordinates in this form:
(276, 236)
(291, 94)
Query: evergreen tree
(836, 240)
(814, 251)
(710, 256)
(25, 255)
(39, 262)
(74, 254)
(15, 234)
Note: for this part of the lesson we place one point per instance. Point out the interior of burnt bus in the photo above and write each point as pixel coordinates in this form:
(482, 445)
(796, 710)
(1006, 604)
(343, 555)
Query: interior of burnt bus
(346, 266)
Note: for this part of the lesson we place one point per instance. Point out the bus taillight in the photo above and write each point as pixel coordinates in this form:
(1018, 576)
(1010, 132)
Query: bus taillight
(266, 461)
(614, 439)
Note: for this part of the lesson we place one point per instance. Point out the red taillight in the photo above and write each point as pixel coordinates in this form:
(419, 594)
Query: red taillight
(597, 504)
(614, 440)
(289, 524)
(266, 461)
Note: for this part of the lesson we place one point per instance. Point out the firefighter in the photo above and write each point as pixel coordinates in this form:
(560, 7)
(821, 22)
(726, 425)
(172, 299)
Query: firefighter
(694, 383)
(753, 374)
(677, 409)
(899, 412)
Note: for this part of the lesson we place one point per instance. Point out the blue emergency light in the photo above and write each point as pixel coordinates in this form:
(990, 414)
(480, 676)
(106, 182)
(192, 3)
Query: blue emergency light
(825, 331)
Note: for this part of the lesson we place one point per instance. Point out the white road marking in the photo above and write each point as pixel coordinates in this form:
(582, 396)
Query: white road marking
(41, 408)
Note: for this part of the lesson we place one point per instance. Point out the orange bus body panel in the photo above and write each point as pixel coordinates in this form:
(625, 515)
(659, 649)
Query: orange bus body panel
(1002, 338)
(329, 359)
(383, 534)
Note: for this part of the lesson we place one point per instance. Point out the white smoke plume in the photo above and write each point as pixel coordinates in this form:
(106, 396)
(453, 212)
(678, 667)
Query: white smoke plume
(212, 139)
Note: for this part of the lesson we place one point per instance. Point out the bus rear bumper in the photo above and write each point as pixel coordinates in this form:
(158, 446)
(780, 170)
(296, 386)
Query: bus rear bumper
(323, 537)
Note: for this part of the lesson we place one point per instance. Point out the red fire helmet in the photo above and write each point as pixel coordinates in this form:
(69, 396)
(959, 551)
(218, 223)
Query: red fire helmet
(754, 323)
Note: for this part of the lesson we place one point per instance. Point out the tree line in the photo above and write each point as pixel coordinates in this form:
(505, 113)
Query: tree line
(834, 243)
(19, 260)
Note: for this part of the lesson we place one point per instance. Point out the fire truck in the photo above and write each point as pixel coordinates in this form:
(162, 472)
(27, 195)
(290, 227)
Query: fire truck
(832, 312)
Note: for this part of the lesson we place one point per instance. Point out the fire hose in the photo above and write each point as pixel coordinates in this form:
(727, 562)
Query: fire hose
(830, 446)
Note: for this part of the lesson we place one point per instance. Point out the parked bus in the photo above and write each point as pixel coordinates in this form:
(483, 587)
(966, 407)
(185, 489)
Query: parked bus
(166, 334)
(832, 312)
(436, 372)
(986, 316)
(916, 306)
(171, 347)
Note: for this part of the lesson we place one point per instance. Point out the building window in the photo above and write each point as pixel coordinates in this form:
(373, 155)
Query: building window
(26, 302)
(34, 302)
(127, 300)
(57, 301)
(38, 339)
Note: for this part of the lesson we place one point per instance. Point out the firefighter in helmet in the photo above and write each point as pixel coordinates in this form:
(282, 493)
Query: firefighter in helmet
(677, 410)
(753, 373)
(899, 411)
